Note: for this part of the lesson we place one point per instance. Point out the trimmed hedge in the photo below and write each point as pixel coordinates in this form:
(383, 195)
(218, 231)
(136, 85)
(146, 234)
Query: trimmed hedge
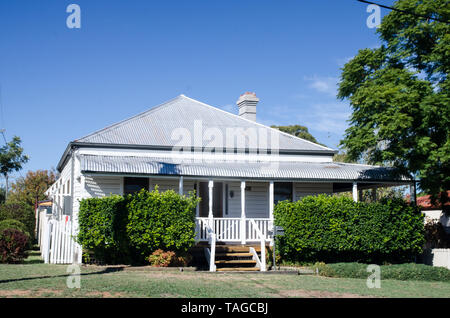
(102, 228)
(337, 229)
(128, 230)
(21, 213)
(14, 224)
(161, 220)
(408, 271)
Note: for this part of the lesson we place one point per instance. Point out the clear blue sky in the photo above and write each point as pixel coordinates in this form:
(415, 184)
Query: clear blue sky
(59, 84)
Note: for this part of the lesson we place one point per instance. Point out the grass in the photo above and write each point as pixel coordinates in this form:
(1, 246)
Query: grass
(408, 271)
(35, 279)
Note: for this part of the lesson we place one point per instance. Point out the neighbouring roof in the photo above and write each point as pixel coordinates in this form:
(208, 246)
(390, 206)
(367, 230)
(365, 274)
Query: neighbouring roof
(251, 170)
(45, 203)
(425, 202)
(156, 127)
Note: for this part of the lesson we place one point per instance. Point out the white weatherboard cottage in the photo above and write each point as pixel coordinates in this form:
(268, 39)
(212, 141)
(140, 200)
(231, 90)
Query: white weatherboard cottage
(238, 167)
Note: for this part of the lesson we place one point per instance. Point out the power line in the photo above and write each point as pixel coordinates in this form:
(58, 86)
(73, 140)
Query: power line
(405, 11)
(2, 117)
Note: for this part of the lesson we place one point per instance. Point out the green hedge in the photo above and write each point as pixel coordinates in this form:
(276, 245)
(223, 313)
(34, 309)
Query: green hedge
(408, 271)
(337, 229)
(14, 224)
(128, 230)
(161, 220)
(102, 228)
(21, 213)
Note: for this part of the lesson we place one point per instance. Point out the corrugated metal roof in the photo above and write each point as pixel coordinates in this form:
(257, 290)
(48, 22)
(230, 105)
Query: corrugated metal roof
(156, 127)
(249, 170)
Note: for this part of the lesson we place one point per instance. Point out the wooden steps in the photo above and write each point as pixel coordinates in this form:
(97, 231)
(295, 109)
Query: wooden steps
(236, 248)
(238, 269)
(239, 261)
(237, 254)
(237, 258)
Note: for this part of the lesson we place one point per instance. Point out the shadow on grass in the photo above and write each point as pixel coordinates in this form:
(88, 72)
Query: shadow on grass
(104, 271)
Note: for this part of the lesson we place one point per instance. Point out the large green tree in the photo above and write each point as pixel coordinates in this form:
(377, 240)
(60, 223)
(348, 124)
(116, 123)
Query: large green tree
(298, 131)
(11, 158)
(399, 94)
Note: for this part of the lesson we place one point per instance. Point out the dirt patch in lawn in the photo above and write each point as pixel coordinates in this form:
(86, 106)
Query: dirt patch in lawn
(318, 294)
(29, 293)
(192, 276)
(104, 294)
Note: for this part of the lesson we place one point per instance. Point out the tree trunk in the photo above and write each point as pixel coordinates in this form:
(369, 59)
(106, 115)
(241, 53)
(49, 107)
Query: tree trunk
(6, 186)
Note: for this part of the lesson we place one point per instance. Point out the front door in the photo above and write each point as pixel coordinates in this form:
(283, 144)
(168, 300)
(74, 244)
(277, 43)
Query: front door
(217, 199)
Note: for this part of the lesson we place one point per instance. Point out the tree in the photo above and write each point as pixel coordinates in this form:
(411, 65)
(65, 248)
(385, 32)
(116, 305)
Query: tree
(342, 157)
(399, 94)
(298, 131)
(30, 190)
(11, 159)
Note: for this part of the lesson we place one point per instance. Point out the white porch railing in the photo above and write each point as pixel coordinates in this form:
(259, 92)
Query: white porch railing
(229, 229)
(210, 253)
(261, 263)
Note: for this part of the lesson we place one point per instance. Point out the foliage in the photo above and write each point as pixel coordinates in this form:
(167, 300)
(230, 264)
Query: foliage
(330, 228)
(399, 93)
(122, 230)
(11, 158)
(375, 195)
(161, 220)
(160, 258)
(343, 157)
(298, 131)
(2, 195)
(19, 212)
(30, 190)
(13, 246)
(102, 228)
(14, 224)
(407, 271)
(435, 235)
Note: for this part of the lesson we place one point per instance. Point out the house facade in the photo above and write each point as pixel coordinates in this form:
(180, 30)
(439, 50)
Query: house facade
(239, 168)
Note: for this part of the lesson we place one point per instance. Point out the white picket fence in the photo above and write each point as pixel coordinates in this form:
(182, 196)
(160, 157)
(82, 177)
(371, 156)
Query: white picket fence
(57, 243)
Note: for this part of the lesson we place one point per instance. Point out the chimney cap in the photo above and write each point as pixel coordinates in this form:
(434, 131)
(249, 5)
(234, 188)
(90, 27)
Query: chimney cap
(247, 96)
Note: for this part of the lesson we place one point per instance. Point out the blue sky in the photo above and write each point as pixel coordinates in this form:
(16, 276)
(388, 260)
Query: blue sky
(59, 84)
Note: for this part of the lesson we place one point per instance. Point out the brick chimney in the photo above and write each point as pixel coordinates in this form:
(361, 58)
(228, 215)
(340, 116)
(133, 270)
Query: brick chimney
(247, 105)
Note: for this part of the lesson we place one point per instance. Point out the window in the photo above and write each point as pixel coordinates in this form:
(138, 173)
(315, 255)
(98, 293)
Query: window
(132, 185)
(282, 191)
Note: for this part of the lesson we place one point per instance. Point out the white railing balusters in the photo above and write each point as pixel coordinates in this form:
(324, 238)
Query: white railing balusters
(229, 229)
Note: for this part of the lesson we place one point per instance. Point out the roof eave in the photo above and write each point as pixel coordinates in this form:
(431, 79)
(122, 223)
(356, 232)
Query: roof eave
(170, 148)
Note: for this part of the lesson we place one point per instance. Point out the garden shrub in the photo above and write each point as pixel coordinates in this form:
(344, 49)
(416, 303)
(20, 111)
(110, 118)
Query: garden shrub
(337, 229)
(160, 220)
(435, 235)
(14, 224)
(407, 271)
(103, 229)
(21, 213)
(128, 230)
(160, 258)
(13, 246)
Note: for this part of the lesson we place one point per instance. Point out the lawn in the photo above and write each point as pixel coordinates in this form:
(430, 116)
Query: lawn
(35, 279)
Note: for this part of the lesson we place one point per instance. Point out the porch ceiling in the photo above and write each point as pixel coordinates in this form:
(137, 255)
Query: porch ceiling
(325, 171)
